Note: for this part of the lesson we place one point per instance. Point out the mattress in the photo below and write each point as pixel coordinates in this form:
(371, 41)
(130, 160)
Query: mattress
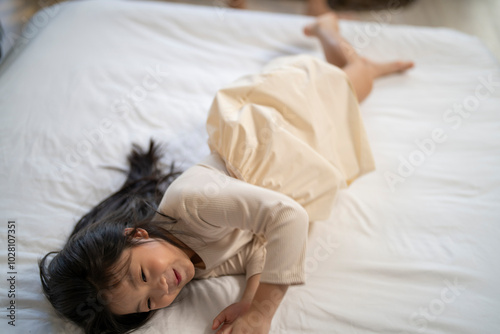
(410, 248)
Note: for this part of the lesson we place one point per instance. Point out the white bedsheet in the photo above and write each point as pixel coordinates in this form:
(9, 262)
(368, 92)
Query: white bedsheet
(410, 248)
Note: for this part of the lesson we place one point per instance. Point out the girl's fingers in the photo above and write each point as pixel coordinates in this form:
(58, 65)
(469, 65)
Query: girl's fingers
(219, 319)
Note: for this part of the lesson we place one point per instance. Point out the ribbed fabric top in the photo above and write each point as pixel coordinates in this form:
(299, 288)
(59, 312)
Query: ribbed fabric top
(231, 221)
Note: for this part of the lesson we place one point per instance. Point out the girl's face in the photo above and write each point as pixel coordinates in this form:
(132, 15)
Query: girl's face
(154, 277)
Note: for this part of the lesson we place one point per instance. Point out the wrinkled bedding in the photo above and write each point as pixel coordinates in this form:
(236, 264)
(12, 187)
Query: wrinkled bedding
(410, 248)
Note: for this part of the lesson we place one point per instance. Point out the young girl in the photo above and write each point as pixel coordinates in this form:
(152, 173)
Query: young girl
(283, 143)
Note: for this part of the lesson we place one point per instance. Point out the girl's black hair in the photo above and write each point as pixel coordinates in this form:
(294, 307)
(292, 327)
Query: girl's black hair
(77, 278)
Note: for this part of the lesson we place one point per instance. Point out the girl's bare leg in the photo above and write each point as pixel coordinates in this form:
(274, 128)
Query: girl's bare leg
(361, 71)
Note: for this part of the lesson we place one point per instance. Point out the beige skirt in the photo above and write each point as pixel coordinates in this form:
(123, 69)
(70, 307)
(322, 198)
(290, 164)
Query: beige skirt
(294, 128)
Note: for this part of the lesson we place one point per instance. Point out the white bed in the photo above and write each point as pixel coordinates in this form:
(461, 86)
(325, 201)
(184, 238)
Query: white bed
(410, 248)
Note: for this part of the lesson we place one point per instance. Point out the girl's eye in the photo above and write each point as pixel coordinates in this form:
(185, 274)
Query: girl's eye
(145, 280)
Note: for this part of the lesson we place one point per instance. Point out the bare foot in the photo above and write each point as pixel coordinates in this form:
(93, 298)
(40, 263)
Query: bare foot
(383, 69)
(326, 28)
(328, 21)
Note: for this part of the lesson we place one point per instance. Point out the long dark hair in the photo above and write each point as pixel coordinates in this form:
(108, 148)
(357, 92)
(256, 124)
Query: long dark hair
(76, 279)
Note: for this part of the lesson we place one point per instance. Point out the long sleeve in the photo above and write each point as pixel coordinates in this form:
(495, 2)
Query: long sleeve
(249, 261)
(255, 259)
(211, 201)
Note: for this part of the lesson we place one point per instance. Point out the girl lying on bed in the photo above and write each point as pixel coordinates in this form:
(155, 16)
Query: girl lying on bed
(283, 143)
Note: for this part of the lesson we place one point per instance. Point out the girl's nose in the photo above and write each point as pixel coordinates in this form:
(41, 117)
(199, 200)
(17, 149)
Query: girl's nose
(159, 292)
(163, 286)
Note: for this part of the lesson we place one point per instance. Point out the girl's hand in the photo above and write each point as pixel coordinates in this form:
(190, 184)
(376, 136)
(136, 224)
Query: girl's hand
(250, 322)
(228, 315)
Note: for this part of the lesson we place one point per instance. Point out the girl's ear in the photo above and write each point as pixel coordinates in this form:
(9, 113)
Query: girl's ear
(140, 233)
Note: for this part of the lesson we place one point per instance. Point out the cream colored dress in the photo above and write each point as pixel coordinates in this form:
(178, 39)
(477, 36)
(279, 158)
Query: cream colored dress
(283, 143)
(295, 128)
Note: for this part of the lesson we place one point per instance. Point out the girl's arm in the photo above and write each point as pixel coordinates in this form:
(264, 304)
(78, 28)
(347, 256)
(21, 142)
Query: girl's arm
(254, 312)
(264, 305)
(233, 311)
(251, 288)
